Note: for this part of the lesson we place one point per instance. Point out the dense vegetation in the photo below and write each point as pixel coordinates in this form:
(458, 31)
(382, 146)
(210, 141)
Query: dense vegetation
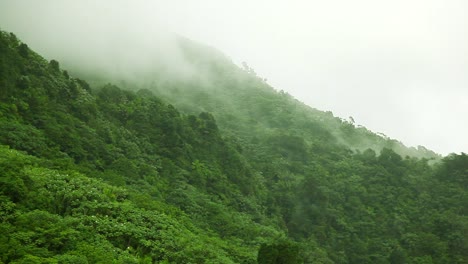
(231, 172)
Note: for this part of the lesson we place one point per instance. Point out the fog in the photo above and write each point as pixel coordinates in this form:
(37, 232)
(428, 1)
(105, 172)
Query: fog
(397, 67)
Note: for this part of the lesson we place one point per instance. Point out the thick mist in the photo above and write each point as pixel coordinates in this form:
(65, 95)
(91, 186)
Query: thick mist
(396, 67)
(94, 37)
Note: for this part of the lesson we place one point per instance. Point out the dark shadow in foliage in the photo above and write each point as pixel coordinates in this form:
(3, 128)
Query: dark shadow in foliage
(282, 252)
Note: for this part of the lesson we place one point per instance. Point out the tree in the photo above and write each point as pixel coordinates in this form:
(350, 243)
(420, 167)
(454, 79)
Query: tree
(23, 50)
(54, 65)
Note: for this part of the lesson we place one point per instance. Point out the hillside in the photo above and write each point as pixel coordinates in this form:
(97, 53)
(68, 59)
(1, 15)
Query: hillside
(241, 101)
(220, 169)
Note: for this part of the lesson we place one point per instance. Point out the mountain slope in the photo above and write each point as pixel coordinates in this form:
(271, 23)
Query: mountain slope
(240, 169)
(242, 101)
(127, 139)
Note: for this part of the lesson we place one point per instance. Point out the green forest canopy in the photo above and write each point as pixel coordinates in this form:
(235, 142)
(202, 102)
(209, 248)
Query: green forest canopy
(230, 171)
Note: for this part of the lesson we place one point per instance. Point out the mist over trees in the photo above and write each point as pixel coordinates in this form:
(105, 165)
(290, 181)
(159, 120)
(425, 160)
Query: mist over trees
(405, 61)
(211, 166)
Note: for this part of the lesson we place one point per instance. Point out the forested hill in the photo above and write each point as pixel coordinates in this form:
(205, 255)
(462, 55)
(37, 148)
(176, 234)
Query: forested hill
(241, 101)
(214, 170)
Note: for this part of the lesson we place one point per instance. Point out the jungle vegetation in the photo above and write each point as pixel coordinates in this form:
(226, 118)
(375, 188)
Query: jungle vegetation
(225, 171)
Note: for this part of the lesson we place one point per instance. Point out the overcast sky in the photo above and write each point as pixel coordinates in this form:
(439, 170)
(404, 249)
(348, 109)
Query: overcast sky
(398, 67)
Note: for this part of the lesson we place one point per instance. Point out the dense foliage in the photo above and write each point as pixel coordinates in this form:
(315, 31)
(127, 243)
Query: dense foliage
(241, 174)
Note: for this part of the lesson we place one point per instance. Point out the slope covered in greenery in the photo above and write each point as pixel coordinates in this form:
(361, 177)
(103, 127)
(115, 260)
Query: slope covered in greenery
(245, 104)
(240, 174)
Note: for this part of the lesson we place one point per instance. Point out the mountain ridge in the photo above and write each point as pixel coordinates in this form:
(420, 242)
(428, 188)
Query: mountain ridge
(256, 178)
(210, 69)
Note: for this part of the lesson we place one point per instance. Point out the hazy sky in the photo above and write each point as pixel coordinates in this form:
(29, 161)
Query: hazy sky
(398, 67)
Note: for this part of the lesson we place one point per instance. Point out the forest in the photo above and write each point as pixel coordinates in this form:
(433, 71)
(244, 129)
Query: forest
(221, 170)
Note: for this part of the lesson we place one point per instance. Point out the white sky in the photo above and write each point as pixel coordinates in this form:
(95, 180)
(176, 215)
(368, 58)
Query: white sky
(399, 67)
